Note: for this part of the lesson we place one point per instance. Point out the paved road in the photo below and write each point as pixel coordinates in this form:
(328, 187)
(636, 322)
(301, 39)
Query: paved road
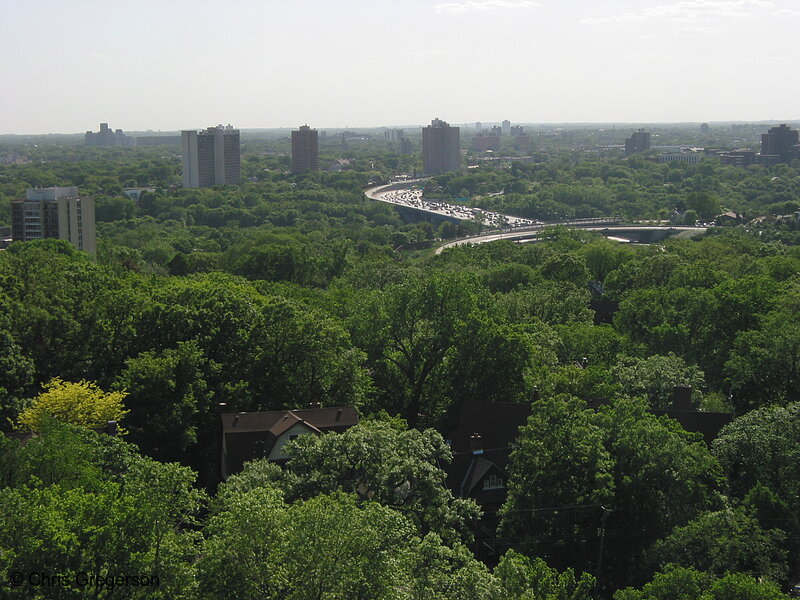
(409, 194)
(532, 233)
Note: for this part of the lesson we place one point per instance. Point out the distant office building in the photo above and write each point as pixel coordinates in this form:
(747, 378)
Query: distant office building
(705, 129)
(106, 137)
(393, 135)
(398, 141)
(305, 149)
(482, 143)
(406, 147)
(478, 125)
(521, 141)
(691, 158)
(506, 129)
(738, 158)
(157, 140)
(56, 212)
(517, 130)
(779, 145)
(211, 157)
(638, 142)
(768, 160)
(496, 130)
(441, 148)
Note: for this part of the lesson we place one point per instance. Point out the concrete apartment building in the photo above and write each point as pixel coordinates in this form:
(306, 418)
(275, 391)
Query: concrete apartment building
(106, 137)
(305, 150)
(441, 148)
(779, 145)
(211, 157)
(638, 142)
(56, 212)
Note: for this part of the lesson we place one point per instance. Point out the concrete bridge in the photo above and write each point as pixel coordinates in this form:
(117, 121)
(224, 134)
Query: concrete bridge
(406, 197)
(644, 234)
(413, 208)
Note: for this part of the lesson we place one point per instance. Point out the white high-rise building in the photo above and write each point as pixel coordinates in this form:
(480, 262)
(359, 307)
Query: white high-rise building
(55, 212)
(211, 157)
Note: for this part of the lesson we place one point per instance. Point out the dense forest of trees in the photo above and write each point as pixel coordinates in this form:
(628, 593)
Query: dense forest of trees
(295, 289)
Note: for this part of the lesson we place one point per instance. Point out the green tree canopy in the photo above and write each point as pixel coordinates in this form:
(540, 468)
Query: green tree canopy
(378, 462)
(575, 471)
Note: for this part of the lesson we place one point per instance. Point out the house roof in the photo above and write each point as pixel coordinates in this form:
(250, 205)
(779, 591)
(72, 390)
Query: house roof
(467, 470)
(331, 418)
(247, 436)
(497, 423)
(288, 421)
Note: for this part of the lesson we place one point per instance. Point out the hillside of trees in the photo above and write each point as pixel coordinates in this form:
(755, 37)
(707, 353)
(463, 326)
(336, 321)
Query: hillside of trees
(291, 289)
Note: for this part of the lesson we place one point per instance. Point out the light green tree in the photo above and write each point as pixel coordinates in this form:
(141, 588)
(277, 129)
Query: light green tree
(82, 403)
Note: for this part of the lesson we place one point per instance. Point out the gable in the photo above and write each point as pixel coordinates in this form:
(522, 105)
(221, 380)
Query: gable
(298, 428)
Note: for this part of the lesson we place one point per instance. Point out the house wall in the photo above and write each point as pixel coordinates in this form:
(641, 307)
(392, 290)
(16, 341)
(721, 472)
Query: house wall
(277, 450)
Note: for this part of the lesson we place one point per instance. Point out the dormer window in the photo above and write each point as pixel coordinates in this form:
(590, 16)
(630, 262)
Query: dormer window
(493, 482)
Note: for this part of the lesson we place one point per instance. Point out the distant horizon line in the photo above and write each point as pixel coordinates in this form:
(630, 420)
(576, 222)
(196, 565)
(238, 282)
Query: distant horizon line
(415, 126)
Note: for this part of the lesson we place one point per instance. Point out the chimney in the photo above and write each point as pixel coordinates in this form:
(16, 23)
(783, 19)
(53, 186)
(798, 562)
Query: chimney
(682, 397)
(476, 443)
(339, 414)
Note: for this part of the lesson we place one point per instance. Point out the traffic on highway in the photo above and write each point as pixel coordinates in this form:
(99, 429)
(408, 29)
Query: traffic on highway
(412, 198)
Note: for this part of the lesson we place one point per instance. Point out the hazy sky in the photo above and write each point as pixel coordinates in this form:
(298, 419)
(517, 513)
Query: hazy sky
(171, 64)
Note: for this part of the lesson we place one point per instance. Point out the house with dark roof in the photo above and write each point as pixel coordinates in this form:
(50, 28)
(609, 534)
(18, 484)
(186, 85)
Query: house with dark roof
(481, 445)
(247, 436)
(482, 441)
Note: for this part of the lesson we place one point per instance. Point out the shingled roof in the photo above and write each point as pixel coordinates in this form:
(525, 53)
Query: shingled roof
(331, 418)
(247, 436)
(498, 424)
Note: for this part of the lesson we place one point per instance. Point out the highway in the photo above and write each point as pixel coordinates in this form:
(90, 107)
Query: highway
(409, 194)
(532, 233)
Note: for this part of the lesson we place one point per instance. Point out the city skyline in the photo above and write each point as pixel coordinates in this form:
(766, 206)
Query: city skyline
(637, 61)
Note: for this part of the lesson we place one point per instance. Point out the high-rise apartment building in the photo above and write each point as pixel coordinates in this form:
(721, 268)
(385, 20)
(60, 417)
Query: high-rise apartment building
(506, 128)
(779, 145)
(638, 142)
(106, 137)
(398, 141)
(393, 135)
(211, 157)
(305, 150)
(56, 212)
(441, 148)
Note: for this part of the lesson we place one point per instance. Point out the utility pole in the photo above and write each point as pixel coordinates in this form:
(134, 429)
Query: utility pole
(602, 536)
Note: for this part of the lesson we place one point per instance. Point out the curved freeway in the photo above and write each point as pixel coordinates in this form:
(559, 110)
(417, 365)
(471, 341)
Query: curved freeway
(532, 233)
(401, 194)
(516, 229)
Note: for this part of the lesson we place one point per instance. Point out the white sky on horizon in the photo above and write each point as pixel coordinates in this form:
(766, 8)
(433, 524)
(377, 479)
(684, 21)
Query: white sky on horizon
(67, 65)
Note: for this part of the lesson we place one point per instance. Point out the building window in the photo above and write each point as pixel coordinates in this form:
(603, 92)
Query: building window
(493, 482)
(293, 436)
